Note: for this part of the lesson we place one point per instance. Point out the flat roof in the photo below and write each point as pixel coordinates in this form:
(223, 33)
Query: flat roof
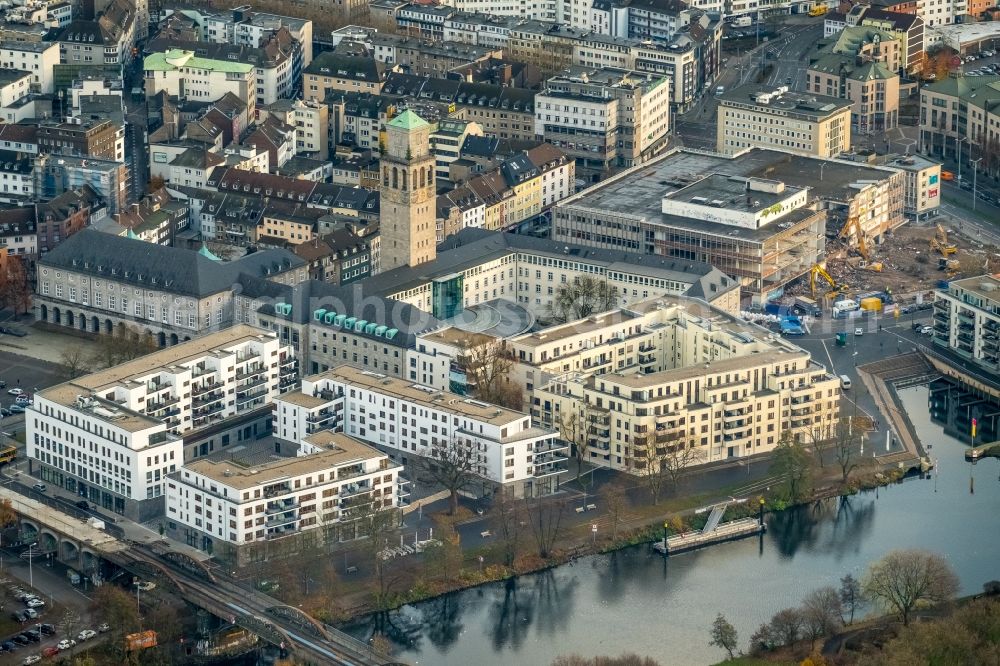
(302, 400)
(171, 358)
(639, 380)
(733, 191)
(574, 328)
(338, 450)
(457, 337)
(780, 100)
(423, 395)
(71, 526)
(639, 191)
(975, 285)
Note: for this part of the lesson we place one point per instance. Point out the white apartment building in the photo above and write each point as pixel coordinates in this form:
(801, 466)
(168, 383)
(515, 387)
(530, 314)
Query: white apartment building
(922, 185)
(183, 74)
(38, 58)
(413, 419)
(695, 377)
(113, 436)
(14, 86)
(967, 321)
(221, 505)
(246, 27)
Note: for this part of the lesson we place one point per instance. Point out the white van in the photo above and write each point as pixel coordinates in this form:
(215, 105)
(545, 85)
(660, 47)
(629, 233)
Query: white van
(720, 89)
(845, 382)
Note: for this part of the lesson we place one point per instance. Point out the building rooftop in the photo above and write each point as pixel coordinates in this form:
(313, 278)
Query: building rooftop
(732, 190)
(986, 286)
(423, 395)
(638, 192)
(338, 450)
(174, 358)
(782, 101)
(173, 59)
(641, 380)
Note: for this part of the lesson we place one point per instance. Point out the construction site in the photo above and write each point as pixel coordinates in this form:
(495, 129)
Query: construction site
(913, 259)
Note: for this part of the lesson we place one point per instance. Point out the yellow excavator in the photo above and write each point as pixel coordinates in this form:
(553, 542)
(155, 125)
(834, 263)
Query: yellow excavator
(835, 289)
(940, 242)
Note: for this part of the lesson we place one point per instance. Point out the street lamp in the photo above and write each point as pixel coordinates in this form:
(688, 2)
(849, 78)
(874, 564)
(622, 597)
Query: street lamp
(31, 573)
(975, 172)
(964, 140)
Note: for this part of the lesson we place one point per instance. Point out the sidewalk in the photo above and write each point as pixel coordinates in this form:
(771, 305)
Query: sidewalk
(44, 345)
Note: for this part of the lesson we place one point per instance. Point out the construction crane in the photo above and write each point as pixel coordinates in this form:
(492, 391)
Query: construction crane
(854, 224)
(820, 271)
(940, 242)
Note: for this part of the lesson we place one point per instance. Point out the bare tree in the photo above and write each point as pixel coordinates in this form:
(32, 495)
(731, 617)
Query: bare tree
(545, 519)
(573, 426)
(786, 626)
(582, 298)
(616, 499)
(904, 579)
(852, 597)
(508, 516)
(74, 362)
(15, 290)
(821, 612)
(724, 635)
(488, 368)
(665, 463)
(125, 344)
(70, 622)
(377, 524)
(452, 464)
(845, 451)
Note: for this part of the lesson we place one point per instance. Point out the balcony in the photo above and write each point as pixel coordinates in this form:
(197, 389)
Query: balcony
(663, 436)
(207, 411)
(547, 469)
(731, 425)
(256, 381)
(602, 434)
(353, 489)
(942, 304)
(593, 364)
(154, 407)
(207, 385)
(282, 531)
(152, 388)
(277, 489)
(733, 414)
(802, 400)
(253, 394)
(199, 371)
(254, 369)
(282, 506)
(208, 398)
(801, 423)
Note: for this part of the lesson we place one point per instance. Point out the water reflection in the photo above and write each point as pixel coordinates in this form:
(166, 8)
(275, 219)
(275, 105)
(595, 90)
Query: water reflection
(637, 601)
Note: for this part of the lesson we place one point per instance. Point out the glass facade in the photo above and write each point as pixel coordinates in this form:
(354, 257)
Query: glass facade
(448, 296)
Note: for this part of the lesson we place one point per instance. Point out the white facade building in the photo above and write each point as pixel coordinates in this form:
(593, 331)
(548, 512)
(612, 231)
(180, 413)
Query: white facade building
(417, 420)
(38, 58)
(221, 504)
(183, 74)
(113, 436)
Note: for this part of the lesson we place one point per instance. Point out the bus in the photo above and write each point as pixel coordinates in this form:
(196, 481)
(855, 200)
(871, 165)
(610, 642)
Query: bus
(7, 454)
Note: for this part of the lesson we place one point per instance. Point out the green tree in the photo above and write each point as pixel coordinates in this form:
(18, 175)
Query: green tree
(724, 635)
(904, 580)
(793, 464)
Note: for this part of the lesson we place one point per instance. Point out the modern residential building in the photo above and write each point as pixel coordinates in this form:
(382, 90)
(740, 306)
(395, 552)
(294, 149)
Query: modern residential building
(114, 436)
(226, 505)
(181, 73)
(725, 212)
(605, 118)
(967, 321)
(753, 116)
(415, 421)
(58, 173)
(698, 387)
(94, 281)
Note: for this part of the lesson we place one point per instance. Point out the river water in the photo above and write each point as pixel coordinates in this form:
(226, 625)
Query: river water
(634, 600)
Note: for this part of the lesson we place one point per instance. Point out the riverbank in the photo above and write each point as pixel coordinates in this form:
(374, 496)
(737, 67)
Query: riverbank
(451, 569)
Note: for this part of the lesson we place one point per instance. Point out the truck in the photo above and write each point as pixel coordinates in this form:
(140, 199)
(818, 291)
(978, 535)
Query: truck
(73, 576)
(818, 10)
(741, 21)
(808, 306)
(841, 308)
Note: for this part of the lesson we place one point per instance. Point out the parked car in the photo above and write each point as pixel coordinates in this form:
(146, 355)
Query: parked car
(83, 504)
(15, 391)
(23, 595)
(31, 613)
(4, 411)
(66, 644)
(86, 635)
(9, 646)
(47, 629)
(21, 639)
(17, 409)
(927, 330)
(40, 487)
(146, 586)
(33, 635)
(19, 616)
(31, 659)
(50, 651)
(35, 603)
(859, 331)
(23, 399)
(104, 628)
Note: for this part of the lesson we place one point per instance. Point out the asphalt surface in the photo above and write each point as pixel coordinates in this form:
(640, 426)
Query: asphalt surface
(136, 146)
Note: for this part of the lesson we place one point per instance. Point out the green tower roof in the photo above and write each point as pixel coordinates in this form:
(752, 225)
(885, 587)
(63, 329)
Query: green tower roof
(408, 120)
(130, 234)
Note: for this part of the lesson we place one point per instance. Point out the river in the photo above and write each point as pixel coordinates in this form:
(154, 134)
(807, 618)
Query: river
(634, 600)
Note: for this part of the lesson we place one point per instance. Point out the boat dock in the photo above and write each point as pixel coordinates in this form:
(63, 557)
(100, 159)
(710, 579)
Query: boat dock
(736, 529)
